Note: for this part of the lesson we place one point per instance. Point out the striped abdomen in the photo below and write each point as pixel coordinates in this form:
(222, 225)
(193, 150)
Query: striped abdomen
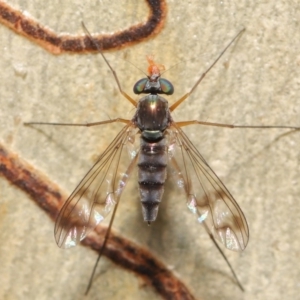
(152, 175)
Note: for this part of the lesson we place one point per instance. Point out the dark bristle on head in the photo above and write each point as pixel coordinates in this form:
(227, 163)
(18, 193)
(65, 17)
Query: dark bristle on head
(149, 223)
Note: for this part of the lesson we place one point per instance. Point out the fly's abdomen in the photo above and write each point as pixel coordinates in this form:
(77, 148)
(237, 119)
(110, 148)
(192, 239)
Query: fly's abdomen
(152, 175)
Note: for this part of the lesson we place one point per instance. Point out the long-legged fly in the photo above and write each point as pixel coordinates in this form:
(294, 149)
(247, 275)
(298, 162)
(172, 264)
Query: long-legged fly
(155, 141)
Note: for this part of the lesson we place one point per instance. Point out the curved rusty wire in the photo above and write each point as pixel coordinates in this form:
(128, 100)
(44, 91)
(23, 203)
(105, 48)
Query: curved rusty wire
(57, 43)
(49, 197)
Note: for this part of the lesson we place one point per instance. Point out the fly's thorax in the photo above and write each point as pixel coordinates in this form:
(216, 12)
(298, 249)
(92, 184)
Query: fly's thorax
(152, 116)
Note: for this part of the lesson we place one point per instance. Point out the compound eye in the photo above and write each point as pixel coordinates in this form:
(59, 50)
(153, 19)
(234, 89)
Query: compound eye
(166, 86)
(139, 87)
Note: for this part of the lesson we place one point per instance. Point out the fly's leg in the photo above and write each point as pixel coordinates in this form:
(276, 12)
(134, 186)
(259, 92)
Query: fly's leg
(179, 101)
(187, 186)
(106, 237)
(117, 120)
(196, 122)
(131, 100)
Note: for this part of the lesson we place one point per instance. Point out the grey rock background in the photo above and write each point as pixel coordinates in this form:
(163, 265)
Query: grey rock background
(256, 82)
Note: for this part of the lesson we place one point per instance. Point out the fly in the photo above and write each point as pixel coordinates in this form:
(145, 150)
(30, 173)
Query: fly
(162, 143)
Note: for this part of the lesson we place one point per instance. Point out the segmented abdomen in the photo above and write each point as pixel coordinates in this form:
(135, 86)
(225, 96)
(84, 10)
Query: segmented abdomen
(152, 175)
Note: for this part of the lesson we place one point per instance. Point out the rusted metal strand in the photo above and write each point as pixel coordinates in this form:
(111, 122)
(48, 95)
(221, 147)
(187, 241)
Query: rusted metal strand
(57, 43)
(48, 196)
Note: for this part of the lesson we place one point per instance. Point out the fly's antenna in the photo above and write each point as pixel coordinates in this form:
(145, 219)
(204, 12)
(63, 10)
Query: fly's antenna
(173, 66)
(128, 61)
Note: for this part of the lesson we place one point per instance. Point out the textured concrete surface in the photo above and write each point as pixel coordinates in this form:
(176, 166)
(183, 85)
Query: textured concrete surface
(256, 83)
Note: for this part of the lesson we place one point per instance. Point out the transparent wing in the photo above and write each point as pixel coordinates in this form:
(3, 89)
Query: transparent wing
(207, 197)
(97, 193)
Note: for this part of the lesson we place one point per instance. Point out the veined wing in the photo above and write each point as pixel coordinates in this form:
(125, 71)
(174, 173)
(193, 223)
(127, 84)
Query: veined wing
(96, 194)
(207, 197)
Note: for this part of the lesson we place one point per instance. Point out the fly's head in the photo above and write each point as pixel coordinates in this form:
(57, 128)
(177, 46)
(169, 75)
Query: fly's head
(153, 83)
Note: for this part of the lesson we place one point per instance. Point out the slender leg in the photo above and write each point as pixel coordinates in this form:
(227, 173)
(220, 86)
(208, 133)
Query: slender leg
(186, 187)
(178, 102)
(195, 122)
(102, 249)
(106, 237)
(223, 255)
(120, 120)
(131, 100)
